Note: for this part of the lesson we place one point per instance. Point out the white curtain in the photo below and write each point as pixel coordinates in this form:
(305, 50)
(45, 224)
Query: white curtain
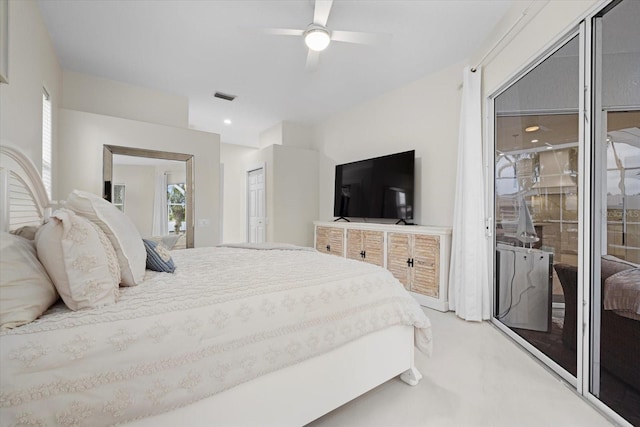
(468, 281)
(160, 207)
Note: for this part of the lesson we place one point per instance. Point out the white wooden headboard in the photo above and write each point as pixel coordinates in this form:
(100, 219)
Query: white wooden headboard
(23, 198)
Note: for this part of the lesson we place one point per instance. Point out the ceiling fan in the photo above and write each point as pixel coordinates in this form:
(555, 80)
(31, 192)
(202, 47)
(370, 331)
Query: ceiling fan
(317, 36)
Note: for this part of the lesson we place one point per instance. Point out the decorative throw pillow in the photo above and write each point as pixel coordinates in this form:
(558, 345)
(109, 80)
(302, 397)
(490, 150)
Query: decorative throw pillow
(120, 230)
(25, 288)
(79, 259)
(158, 257)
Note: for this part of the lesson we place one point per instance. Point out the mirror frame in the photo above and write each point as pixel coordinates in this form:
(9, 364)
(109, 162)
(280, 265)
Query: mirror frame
(107, 176)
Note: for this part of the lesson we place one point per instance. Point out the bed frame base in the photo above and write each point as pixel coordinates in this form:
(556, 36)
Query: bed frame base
(411, 376)
(301, 393)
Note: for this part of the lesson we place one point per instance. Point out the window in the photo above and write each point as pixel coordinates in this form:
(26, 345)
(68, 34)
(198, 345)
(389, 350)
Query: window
(47, 143)
(176, 203)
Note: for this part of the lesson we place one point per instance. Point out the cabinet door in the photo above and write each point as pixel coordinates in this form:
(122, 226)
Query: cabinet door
(336, 241)
(398, 252)
(354, 244)
(329, 240)
(373, 247)
(426, 265)
(322, 239)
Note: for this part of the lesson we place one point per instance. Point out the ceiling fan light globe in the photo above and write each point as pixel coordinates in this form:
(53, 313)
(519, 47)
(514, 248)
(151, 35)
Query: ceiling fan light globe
(317, 39)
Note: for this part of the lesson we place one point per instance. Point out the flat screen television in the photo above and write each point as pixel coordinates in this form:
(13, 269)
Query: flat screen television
(381, 187)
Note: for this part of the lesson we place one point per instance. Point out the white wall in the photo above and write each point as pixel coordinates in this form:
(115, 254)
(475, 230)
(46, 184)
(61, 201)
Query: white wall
(295, 197)
(139, 194)
(84, 135)
(297, 134)
(93, 94)
(288, 133)
(234, 219)
(32, 64)
(421, 116)
(271, 136)
(291, 192)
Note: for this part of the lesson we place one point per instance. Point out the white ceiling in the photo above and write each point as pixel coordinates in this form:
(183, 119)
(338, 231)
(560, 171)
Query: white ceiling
(194, 48)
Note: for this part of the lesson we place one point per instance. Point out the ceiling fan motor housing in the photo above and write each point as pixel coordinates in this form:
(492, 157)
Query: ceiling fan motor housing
(317, 37)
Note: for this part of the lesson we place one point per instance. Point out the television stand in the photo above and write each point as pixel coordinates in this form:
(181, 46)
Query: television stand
(338, 219)
(391, 246)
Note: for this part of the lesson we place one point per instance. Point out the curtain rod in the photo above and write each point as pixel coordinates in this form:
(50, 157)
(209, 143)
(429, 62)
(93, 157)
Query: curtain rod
(513, 26)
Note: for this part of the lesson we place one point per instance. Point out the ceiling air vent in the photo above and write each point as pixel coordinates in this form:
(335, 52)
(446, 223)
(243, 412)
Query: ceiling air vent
(224, 96)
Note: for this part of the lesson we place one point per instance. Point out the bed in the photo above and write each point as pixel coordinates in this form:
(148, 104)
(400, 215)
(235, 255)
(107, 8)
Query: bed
(236, 336)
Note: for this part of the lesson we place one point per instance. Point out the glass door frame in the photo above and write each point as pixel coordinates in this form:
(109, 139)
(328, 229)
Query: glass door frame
(594, 244)
(490, 151)
(589, 216)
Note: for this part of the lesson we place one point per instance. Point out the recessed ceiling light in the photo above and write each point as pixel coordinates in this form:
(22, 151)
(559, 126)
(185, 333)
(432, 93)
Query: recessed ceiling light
(532, 128)
(227, 121)
(534, 140)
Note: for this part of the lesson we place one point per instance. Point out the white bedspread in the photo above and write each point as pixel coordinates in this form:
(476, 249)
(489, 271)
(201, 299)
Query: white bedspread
(225, 317)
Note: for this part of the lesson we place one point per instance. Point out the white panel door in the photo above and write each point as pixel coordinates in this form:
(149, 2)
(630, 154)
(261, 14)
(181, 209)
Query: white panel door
(256, 206)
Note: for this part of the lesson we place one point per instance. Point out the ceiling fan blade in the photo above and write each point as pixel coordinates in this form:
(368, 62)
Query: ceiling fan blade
(321, 12)
(281, 31)
(313, 57)
(359, 38)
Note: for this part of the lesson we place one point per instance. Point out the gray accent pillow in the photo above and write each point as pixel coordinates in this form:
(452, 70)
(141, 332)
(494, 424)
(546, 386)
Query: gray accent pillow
(158, 257)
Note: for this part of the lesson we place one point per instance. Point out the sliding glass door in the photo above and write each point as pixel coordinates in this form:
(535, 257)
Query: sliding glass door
(536, 206)
(566, 193)
(615, 295)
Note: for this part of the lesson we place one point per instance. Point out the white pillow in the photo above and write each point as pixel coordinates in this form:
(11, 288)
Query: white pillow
(25, 288)
(79, 259)
(120, 230)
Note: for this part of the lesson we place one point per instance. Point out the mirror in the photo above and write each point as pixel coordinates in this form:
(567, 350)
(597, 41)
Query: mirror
(154, 189)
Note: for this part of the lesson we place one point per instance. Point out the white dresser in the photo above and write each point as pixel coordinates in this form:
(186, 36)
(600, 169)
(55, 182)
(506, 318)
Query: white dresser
(418, 256)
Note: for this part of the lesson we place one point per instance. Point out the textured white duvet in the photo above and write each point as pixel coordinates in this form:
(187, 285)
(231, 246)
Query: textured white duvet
(225, 317)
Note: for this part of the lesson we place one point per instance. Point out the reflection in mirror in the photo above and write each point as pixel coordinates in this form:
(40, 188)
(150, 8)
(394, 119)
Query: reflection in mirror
(154, 189)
